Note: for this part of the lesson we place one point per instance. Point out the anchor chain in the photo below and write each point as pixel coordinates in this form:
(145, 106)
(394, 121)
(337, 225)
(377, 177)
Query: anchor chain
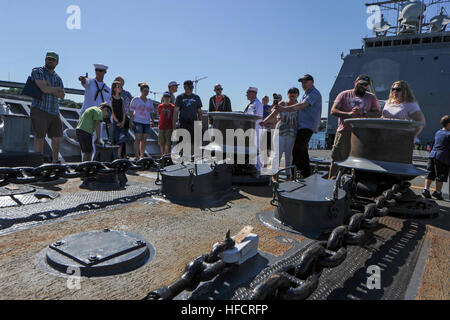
(53, 172)
(203, 268)
(298, 281)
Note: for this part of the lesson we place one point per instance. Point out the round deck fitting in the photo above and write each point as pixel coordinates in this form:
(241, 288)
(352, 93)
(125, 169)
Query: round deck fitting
(310, 206)
(12, 190)
(99, 253)
(196, 184)
(383, 145)
(383, 167)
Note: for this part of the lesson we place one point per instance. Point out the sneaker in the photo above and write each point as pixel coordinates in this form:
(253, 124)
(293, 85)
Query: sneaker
(438, 195)
(426, 194)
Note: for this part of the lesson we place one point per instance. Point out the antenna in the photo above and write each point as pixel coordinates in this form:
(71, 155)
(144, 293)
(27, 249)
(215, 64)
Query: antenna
(197, 80)
(382, 27)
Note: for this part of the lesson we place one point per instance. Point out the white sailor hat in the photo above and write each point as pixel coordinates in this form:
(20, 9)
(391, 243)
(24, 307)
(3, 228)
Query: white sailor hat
(173, 83)
(100, 66)
(253, 89)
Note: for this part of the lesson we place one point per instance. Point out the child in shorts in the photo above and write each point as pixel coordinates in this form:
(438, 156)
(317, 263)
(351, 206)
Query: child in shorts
(165, 124)
(439, 161)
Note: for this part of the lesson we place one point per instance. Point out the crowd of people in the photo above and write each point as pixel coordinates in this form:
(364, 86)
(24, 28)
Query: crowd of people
(296, 119)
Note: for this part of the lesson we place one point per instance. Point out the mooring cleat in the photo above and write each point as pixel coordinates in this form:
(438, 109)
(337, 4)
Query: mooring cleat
(242, 251)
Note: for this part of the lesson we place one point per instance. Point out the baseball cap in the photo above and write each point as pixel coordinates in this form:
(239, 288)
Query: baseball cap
(363, 78)
(166, 94)
(306, 77)
(173, 83)
(52, 55)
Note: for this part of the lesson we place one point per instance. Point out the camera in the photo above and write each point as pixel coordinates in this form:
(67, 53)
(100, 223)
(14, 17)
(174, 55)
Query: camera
(276, 99)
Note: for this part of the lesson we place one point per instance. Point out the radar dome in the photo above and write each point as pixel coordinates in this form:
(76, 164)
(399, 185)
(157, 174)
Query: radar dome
(439, 23)
(411, 15)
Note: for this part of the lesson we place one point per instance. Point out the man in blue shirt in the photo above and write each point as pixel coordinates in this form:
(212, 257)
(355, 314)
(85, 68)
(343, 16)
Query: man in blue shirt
(45, 118)
(309, 114)
(439, 160)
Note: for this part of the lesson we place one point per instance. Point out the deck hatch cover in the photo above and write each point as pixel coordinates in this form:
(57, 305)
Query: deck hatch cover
(99, 253)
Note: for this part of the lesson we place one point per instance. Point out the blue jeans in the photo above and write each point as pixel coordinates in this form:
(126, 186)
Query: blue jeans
(141, 128)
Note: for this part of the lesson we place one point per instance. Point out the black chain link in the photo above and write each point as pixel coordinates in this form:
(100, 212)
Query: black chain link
(294, 281)
(203, 268)
(299, 281)
(53, 172)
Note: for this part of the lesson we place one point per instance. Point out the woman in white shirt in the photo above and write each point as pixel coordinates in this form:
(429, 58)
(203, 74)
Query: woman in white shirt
(142, 118)
(403, 105)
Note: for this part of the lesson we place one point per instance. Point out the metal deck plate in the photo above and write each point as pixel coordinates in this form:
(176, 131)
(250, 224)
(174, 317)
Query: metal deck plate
(312, 189)
(11, 190)
(394, 247)
(7, 202)
(182, 170)
(25, 199)
(68, 205)
(99, 253)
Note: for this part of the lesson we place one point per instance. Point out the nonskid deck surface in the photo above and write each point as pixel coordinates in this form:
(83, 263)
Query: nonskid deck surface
(413, 255)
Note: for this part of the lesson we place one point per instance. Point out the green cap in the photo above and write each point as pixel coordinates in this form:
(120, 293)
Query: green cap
(52, 55)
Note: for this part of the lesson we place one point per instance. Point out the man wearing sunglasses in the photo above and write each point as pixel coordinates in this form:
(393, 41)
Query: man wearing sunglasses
(96, 91)
(353, 103)
(219, 102)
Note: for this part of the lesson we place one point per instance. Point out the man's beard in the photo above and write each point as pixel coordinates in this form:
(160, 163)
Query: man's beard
(360, 91)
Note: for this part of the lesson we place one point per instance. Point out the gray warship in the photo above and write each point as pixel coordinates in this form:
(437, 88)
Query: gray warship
(414, 48)
(205, 229)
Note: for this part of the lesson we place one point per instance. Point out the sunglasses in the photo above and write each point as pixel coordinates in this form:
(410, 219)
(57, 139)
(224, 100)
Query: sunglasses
(99, 70)
(397, 89)
(218, 89)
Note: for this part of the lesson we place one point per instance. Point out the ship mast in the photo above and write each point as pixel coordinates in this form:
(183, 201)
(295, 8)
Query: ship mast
(410, 16)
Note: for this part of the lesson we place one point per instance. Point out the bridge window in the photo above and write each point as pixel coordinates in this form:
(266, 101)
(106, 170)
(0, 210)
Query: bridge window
(447, 39)
(426, 40)
(369, 44)
(387, 43)
(416, 41)
(397, 42)
(378, 44)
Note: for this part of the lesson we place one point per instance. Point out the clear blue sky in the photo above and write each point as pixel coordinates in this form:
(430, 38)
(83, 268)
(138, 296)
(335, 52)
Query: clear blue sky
(238, 43)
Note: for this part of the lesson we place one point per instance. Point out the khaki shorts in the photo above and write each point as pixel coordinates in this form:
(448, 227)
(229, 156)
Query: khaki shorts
(342, 146)
(164, 137)
(44, 123)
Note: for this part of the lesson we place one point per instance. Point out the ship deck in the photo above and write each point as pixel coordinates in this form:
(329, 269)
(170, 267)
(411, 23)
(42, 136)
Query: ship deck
(417, 269)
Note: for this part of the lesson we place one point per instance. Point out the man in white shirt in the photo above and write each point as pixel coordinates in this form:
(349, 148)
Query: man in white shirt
(255, 108)
(96, 91)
